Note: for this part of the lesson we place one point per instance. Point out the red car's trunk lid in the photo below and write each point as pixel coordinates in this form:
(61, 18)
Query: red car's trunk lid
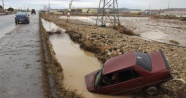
(158, 61)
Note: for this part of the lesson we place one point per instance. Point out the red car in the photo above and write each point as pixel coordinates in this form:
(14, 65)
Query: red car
(129, 73)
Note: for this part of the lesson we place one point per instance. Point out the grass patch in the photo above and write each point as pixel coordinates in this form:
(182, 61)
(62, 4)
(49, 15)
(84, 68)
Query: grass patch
(124, 30)
(164, 17)
(183, 19)
(174, 42)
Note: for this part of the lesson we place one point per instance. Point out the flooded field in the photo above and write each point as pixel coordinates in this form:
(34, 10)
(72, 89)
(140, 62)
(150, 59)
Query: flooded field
(160, 30)
(76, 63)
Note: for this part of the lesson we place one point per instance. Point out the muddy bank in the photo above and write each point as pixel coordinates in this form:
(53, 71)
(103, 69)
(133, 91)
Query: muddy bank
(107, 43)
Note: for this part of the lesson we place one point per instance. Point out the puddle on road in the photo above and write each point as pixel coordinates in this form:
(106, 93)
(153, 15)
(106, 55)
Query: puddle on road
(76, 64)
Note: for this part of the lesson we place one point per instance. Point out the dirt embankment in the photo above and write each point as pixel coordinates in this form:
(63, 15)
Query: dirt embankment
(107, 43)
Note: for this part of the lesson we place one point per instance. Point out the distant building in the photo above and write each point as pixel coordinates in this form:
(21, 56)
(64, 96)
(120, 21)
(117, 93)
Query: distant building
(152, 12)
(91, 11)
(55, 11)
(124, 12)
(135, 12)
(76, 11)
(1, 10)
(178, 12)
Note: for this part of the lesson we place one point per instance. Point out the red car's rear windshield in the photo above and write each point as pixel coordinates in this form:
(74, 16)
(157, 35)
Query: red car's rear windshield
(143, 61)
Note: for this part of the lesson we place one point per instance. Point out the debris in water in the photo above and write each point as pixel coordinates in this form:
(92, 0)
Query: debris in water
(58, 31)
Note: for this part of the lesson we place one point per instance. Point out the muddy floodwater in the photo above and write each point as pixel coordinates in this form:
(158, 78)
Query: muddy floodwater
(76, 63)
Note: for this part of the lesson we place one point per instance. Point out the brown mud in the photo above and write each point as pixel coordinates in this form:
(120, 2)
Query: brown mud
(107, 43)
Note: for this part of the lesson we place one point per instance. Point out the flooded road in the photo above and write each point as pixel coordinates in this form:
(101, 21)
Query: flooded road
(76, 64)
(20, 66)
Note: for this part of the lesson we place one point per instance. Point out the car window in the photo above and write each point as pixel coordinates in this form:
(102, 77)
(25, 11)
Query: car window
(21, 13)
(127, 74)
(143, 61)
(109, 79)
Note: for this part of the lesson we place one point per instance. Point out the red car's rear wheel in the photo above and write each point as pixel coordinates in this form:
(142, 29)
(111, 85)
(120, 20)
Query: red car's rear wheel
(152, 90)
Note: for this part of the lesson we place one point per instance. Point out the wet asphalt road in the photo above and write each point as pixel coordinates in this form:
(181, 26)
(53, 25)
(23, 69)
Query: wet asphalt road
(20, 69)
(7, 23)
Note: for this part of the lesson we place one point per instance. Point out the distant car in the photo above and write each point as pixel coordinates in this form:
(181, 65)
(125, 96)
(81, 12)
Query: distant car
(22, 17)
(33, 11)
(129, 73)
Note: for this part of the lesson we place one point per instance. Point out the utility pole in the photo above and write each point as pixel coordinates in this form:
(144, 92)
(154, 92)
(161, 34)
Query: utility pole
(168, 4)
(69, 10)
(149, 11)
(108, 13)
(48, 6)
(3, 4)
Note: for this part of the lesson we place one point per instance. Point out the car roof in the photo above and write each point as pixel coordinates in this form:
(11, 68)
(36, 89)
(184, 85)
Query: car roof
(21, 13)
(120, 62)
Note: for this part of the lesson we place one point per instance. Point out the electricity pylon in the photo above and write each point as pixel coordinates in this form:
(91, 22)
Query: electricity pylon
(108, 13)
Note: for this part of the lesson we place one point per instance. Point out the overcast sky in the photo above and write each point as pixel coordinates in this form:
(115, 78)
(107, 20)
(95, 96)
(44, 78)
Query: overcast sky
(59, 4)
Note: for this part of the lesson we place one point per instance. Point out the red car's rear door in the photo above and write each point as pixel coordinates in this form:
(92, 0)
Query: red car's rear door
(129, 80)
(110, 90)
